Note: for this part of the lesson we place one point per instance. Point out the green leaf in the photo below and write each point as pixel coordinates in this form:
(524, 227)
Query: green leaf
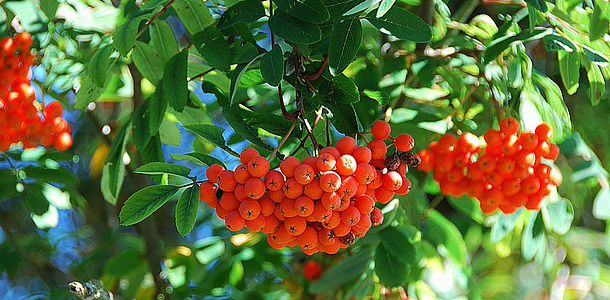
(342, 272)
(312, 11)
(402, 24)
(241, 12)
(597, 84)
(384, 6)
(99, 64)
(49, 7)
(148, 61)
(533, 236)
(194, 14)
(124, 36)
(381, 97)
(467, 206)
(538, 4)
(141, 123)
(157, 105)
(344, 118)
(160, 168)
(113, 173)
(43, 174)
(186, 210)
(199, 158)
(569, 67)
(272, 66)
(34, 200)
(275, 124)
(144, 202)
(87, 93)
(504, 225)
(499, 45)
(560, 216)
(345, 89)
(163, 40)
(391, 270)
(595, 56)
(294, 30)
(601, 205)
(212, 45)
(598, 24)
(344, 44)
(556, 42)
(174, 83)
(397, 243)
(242, 128)
(439, 230)
(237, 74)
(209, 132)
(221, 97)
(337, 8)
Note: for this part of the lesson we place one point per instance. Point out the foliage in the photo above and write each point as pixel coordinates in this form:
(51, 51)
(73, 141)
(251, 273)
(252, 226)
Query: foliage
(161, 89)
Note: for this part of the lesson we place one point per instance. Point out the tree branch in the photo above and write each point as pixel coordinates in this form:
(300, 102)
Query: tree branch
(165, 7)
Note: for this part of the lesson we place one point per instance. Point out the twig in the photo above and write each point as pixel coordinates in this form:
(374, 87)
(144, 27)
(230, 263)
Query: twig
(497, 105)
(435, 202)
(320, 70)
(271, 15)
(327, 131)
(287, 115)
(309, 128)
(294, 124)
(165, 7)
(363, 135)
(202, 74)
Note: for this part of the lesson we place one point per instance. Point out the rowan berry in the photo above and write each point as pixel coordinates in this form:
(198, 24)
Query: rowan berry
(320, 212)
(511, 186)
(342, 229)
(288, 208)
(221, 213)
(7, 46)
(362, 155)
(346, 145)
(505, 165)
(447, 142)
(274, 180)
(509, 147)
(365, 204)
(283, 235)
(553, 152)
(292, 189)
(343, 204)
(493, 137)
(519, 199)
(509, 126)
(53, 110)
(332, 221)
(381, 130)
(444, 163)
(332, 248)
(404, 142)
(63, 141)
(288, 165)
(240, 192)
(234, 221)
(212, 172)
(487, 163)
(392, 180)
(271, 224)
(544, 131)
(378, 148)
(295, 225)
(313, 190)
(461, 159)
(384, 195)
(468, 142)
(308, 239)
(258, 166)
(207, 191)
(348, 187)
(247, 154)
(507, 208)
(312, 270)
(23, 41)
(377, 181)
(229, 202)
(528, 140)
(330, 181)
(365, 173)
(326, 162)
(311, 161)
(226, 181)
(331, 200)
(542, 171)
(346, 165)
(555, 176)
(332, 151)
(304, 206)
(530, 185)
(326, 236)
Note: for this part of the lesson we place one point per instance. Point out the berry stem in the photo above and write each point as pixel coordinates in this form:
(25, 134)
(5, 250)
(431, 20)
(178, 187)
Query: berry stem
(435, 202)
(200, 75)
(165, 7)
(319, 72)
(294, 124)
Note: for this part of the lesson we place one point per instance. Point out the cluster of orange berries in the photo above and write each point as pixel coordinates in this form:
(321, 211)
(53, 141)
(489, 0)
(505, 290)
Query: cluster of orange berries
(22, 118)
(321, 203)
(507, 173)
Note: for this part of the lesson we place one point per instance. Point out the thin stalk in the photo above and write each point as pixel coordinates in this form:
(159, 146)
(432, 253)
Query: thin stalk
(294, 124)
(165, 7)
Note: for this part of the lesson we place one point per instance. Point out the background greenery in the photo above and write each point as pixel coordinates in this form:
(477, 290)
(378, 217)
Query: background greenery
(136, 76)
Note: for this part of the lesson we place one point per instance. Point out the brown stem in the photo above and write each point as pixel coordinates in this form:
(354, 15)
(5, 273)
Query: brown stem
(294, 124)
(287, 115)
(202, 74)
(271, 15)
(320, 71)
(497, 105)
(165, 7)
(309, 130)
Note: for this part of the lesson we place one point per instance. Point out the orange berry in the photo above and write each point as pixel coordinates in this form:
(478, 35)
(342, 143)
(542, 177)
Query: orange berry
(510, 146)
(404, 142)
(494, 178)
(311, 161)
(487, 163)
(555, 177)
(468, 142)
(330, 200)
(312, 270)
(520, 172)
(288, 165)
(229, 202)
(444, 163)
(271, 224)
(330, 181)
(350, 216)
(304, 206)
(277, 196)
(530, 185)
(333, 221)
(313, 190)
(226, 181)
(23, 41)
(447, 142)
(308, 240)
(544, 131)
(519, 199)
(553, 152)
(455, 174)
(207, 191)
(528, 140)
(507, 208)
(525, 159)
(493, 137)
(274, 180)
(320, 213)
(257, 224)
(212, 172)
(241, 174)
(377, 181)
(378, 148)
(234, 221)
(326, 162)
(346, 145)
(7, 46)
(533, 202)
(346, 165)
(543, 149)
(364, 174)
(405, 188)
(279, 214)
(509, 126)
(295, 225)
(461, 159)
(427, 160)
(493, 198)
(326, 236)
(63, 141)
(288, 208)
(221, 213)
(248, 154)
(511, 186)
(392, 180)
(542, 171)
(332, 151)
(362, 155)
(343, 204)
(376, 217)
(384, 195)
(304, 174)
(53, 110)
(292, 188)
(505, 165)
(255, 188)
(258, 166)
(348, 187)
(381, 130)
(240, 192)
(267, 205)
(342, 229)
(282, 234)
(365, 204)
(476, 188)
(361, 190)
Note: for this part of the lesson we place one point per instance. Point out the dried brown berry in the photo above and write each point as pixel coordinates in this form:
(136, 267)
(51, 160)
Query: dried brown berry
(348, 239)
(411, 159)
(392, 162)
